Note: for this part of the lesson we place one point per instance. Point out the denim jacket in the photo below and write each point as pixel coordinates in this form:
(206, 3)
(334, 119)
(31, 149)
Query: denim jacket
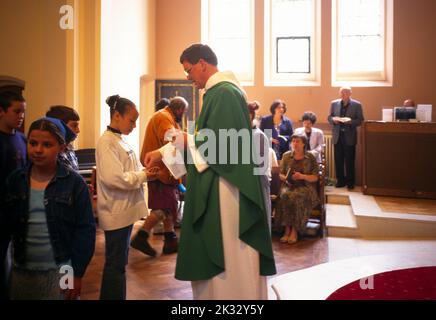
(68, 209)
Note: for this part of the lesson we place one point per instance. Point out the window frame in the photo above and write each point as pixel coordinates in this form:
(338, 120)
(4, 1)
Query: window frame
(271, 77)
(378, 78)
(294, 38)
(244, 79)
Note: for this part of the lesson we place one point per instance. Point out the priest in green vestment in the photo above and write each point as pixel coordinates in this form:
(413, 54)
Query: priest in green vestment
(225, 243)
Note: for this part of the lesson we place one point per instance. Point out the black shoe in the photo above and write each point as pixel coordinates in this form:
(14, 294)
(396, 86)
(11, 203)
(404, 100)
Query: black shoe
(171, 244)
(140, 242)
(350, 187)
(340, 185)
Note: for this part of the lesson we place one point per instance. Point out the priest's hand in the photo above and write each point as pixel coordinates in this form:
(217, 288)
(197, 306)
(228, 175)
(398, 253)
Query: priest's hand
(152, 158)
(180, 140)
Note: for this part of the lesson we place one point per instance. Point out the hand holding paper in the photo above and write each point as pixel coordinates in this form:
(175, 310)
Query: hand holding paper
(152, 158)
(176, 137)
(173, 159)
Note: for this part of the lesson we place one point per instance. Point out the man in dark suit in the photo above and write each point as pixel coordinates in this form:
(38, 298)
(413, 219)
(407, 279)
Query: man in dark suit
(345, 116)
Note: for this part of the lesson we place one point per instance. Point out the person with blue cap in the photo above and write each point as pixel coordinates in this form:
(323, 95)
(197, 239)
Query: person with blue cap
(71, 118)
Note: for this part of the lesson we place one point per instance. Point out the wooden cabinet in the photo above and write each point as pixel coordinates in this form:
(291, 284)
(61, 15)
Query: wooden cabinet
(399, 159)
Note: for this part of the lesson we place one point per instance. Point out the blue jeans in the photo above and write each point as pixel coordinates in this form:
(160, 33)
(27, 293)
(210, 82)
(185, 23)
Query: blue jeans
(113, 284)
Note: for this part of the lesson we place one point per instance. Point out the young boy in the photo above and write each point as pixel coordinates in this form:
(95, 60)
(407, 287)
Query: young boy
(12, 156)
(71, 119)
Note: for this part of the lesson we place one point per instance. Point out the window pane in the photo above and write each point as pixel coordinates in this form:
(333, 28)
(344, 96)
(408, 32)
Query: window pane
(361, 54)
(360, 35)
(225, 23)
(230, 33)
(293, 55)
(291, 18)
(232, 55)
(291, 32)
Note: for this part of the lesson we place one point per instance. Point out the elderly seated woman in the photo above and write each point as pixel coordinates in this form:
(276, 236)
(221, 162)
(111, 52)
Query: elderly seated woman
(298, 172)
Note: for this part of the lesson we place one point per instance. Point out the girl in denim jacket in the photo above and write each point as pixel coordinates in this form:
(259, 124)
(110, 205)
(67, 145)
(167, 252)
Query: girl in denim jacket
(48, 214)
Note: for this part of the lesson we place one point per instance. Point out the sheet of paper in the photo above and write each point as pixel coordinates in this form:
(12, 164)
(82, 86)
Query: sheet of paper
(388, 115)
(426, 111)
(198, 159)
(343, 119)
(173, 160)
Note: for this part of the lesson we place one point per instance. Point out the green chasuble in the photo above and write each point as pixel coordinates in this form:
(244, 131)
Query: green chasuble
(201, 254)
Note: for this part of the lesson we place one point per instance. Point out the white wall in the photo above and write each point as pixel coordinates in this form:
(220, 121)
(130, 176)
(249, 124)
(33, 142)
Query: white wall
(124, 55)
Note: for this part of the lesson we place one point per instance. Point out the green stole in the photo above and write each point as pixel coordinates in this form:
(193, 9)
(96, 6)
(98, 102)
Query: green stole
(201, 254)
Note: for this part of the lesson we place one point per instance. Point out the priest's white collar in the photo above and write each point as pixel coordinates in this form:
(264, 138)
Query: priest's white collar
(224, 76)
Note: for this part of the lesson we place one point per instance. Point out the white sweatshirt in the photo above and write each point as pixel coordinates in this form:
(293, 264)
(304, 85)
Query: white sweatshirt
(120, 178)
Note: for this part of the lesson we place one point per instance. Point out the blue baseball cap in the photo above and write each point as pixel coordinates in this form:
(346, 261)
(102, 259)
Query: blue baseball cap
(67, 133)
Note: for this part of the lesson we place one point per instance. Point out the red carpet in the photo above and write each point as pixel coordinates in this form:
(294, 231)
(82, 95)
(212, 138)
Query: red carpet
(405, 284)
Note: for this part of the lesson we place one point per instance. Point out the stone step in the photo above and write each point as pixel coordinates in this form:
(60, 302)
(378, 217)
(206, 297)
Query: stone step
(357, 215)
(341, 221)
(334, 198)
(340, 216)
